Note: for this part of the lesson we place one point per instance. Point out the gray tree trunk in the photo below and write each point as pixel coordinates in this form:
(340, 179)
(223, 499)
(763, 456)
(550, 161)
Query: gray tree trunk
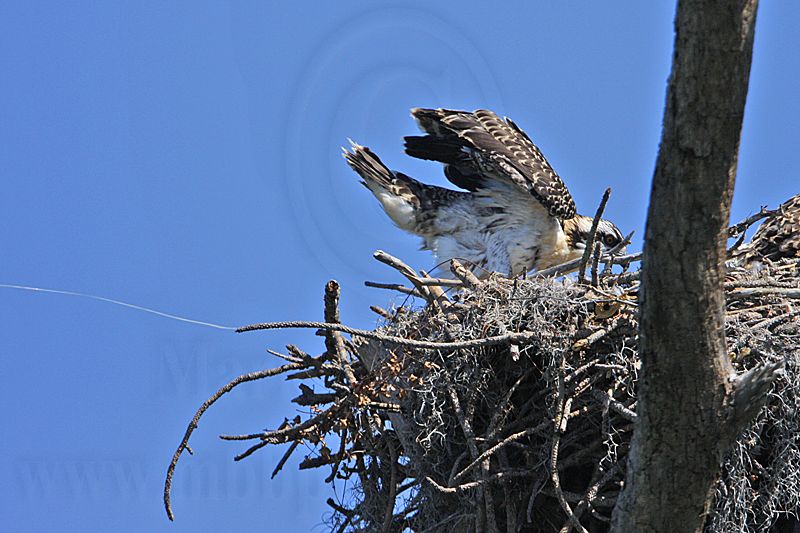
(690, 406)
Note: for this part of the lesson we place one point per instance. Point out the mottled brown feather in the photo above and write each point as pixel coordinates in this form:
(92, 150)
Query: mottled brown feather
(779, 236)
(478, 147)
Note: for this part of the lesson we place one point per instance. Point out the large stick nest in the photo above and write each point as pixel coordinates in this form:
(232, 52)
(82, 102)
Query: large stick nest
(509, 405)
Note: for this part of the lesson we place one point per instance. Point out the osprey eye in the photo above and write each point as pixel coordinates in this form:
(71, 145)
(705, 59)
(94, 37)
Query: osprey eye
(610, 240)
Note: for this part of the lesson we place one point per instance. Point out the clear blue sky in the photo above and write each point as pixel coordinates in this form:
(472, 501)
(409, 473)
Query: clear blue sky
(185, 156)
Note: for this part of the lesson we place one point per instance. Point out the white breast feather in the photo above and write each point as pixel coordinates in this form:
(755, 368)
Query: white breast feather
(513, 239)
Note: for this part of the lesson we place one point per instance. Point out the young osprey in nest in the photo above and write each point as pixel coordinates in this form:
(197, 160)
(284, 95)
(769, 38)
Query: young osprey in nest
(517, 214)
(777, 238)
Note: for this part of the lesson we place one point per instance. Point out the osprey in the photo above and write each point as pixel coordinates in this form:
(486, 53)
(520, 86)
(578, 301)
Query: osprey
(777, 238)
(514, 214)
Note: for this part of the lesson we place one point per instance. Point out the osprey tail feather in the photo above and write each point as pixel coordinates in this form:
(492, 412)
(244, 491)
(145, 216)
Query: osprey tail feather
(398, 194)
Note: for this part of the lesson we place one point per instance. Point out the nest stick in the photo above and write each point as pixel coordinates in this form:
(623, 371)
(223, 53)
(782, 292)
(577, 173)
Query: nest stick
(742, 226)
(334, 343)
(522, 337)
(389, 514)
(285, 458)
(283, 434)
(595, 264)
(495, 448)
(499, 476)
(464, 274)
(394, 287)
(406, 271)
(763, 291)
(592, 233)
(608, 258)
(559, 427)
(184, 445)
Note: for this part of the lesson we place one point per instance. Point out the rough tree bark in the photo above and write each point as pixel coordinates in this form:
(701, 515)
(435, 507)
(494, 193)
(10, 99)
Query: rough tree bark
(690, 406)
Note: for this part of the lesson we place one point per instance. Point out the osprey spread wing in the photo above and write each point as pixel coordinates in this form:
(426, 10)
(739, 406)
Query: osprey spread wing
(515, 214)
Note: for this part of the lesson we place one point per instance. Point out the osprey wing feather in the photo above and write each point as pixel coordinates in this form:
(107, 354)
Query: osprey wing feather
(480, 146)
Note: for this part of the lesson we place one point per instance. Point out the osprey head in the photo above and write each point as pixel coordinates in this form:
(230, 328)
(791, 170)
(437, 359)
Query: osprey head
(577, 231)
